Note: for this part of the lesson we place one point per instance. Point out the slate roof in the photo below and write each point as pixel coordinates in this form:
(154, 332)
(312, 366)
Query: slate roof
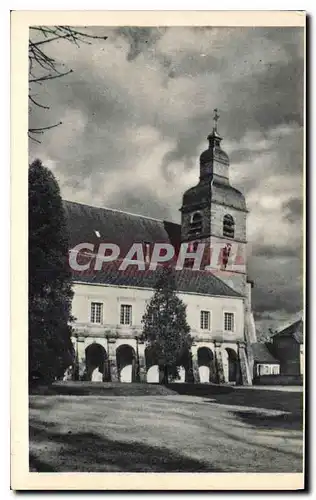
(117, 227)
(262, 354)
(294, 330)
(187, 280)
(125, 229)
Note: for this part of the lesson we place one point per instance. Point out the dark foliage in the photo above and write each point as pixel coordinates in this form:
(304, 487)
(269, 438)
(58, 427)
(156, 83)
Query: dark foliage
(165, 326)
(50, 292)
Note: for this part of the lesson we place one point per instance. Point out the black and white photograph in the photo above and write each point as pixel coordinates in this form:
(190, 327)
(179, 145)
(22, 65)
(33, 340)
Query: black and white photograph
(165, 248)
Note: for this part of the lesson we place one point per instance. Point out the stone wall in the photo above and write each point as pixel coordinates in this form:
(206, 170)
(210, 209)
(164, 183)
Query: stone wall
(240, 218)
(112, 297)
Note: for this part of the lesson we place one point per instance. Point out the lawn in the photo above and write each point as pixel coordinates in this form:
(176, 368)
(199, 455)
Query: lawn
(168, 432)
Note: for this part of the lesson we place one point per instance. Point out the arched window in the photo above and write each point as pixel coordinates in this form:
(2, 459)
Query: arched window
(195, 223)
(228, 226)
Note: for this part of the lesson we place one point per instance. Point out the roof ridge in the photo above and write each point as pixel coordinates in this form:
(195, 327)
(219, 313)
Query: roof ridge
(288, 327)
(120, 211)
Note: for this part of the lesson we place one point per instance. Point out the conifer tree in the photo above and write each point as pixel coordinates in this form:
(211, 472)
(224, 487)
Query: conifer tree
(165, 327)
(50, 290)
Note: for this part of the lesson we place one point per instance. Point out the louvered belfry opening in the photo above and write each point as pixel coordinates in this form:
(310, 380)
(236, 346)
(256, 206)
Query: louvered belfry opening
(228, 226)
(195, 224)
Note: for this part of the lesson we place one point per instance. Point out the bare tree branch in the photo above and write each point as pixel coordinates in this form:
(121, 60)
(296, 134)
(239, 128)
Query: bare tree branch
(36, 44)
(42, 129)
(49, 77)
(37, 103)
(43, 67)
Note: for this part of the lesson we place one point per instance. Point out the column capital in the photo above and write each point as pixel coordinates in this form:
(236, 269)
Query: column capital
(217, 344)
(241, 344)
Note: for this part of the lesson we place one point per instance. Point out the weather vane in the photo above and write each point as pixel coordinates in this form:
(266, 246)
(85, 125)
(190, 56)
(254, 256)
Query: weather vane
(215, 118)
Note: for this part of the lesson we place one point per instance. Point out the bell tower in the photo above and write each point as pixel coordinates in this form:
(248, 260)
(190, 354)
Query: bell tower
(214, 212)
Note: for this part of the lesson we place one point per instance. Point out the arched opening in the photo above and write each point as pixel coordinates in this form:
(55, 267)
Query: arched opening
(126, 363)
(96, 363)
(195, 224)
(152, 368)
(206, 363)
(184, 365)
(231, 365)
(228, 226)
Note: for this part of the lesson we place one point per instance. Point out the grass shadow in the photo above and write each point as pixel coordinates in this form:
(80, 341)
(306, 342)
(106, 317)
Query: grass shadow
(89, 452)
(85, 388)
(256, 398)
(291, 421)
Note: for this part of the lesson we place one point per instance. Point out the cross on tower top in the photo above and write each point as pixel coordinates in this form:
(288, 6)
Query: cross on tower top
(215, 119)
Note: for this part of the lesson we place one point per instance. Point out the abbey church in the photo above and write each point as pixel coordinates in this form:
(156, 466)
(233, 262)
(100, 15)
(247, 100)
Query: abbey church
(109, 304)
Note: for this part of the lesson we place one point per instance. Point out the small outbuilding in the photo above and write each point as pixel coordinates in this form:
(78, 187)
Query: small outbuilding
(264, 363)
(288, 347)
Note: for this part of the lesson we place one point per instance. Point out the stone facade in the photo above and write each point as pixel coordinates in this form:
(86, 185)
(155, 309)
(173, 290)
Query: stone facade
(222, 362)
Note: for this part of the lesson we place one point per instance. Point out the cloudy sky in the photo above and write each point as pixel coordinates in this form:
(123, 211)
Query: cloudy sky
(135, 115)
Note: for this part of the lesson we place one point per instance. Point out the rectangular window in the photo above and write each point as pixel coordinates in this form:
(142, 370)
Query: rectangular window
(229, 322)
(96, 312)
(205, 320)
(126, 315)
(263, 369)
(268, 369)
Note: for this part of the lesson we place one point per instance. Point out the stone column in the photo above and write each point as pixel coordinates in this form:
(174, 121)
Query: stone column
(112, 360)
(80, 357)
(246, 378)
(141, 364)
(219, 363)
(195, 367)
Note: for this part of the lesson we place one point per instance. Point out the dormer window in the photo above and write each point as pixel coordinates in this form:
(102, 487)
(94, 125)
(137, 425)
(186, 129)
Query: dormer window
(228, 226)
(195, 223)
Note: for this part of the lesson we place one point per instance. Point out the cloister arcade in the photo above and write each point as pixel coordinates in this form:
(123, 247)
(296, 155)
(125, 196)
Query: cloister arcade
(128, 363)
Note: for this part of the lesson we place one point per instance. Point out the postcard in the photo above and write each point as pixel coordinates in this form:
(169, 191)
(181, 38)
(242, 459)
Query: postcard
(158, 331)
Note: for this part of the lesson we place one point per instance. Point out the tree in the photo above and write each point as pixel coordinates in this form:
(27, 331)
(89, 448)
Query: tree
(266, 336)
(50, 289)
(44, 67)
(165, 327)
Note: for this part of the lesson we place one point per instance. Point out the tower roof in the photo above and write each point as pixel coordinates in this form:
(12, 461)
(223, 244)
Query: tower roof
(214, 161)
(223, 194)
(214, 183)
(214, 153)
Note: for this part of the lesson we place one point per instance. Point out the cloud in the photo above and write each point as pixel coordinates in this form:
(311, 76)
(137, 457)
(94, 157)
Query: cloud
(293, 210)
(135, 115)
